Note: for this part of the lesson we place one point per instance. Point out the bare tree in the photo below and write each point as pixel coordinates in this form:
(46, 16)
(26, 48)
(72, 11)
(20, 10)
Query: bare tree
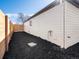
(22, 17)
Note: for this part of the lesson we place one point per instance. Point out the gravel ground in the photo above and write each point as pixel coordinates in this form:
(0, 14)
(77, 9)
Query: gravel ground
(40, 48)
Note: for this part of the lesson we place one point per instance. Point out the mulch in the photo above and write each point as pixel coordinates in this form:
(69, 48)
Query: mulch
(19, 48)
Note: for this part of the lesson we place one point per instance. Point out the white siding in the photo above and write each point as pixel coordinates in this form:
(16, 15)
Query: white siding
(71, 24)
(64, 26)
(51, 20)
(27, 27)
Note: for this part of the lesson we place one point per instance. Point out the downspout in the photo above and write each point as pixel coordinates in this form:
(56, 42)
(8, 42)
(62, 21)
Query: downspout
(63, 2)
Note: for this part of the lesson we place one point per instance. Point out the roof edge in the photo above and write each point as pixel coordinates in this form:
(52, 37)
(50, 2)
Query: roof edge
(73, 2)
(51, 5)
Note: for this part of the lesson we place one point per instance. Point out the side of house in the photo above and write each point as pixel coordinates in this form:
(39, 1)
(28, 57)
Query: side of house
(71, 24)
(48, 25)
(58, 25)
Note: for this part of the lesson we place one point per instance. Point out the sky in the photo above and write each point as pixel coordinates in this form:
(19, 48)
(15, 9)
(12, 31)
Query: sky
(24, 6)
(29, 7)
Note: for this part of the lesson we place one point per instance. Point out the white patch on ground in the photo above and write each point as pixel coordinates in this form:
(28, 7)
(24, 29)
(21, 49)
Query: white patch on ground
(32, 44)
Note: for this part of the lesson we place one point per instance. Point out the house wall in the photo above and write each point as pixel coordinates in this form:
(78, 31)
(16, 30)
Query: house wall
(49, 21)
(2, 34)
(59, 25)
(71, 24)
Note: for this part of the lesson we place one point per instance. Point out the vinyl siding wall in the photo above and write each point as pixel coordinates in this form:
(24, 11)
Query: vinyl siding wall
(71, 25)
(51, 20)
(62, 21)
